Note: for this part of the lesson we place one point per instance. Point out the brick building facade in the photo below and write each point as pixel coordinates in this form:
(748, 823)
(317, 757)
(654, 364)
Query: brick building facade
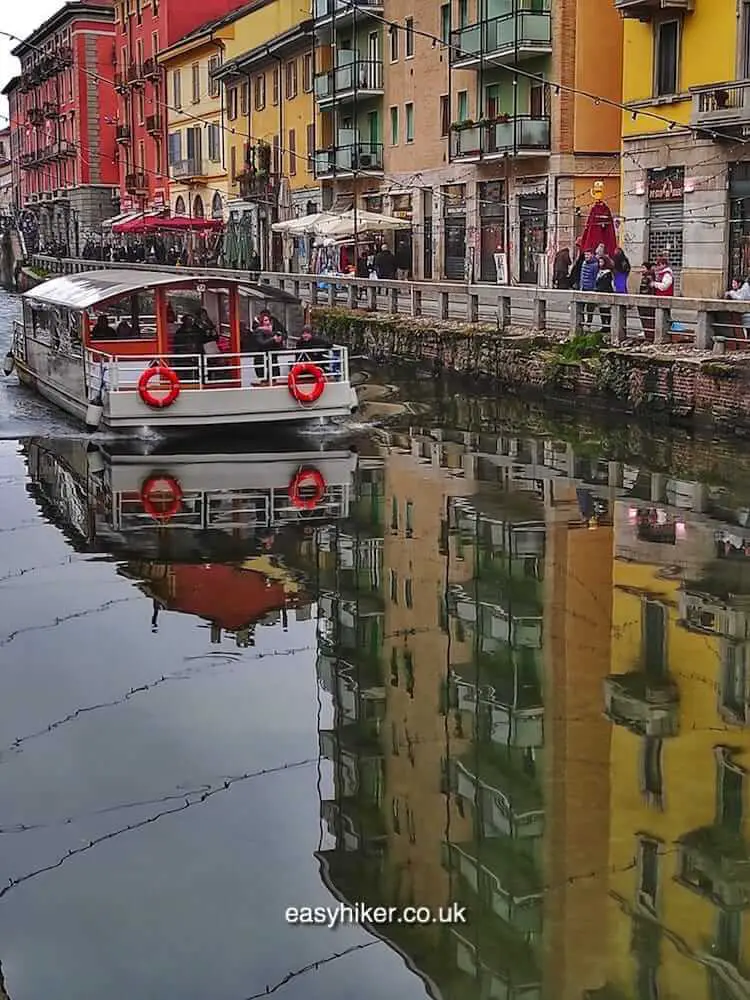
(65, 150)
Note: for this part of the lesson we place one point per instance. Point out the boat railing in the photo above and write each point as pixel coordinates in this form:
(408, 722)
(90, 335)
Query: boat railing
(230, 510)
(18, 344)
(120, 373)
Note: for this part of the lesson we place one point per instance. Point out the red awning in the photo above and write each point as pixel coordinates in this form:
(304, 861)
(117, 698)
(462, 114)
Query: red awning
(175, 223)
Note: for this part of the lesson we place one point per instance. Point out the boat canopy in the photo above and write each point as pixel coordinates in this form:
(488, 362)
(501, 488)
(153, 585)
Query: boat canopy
(89, 288)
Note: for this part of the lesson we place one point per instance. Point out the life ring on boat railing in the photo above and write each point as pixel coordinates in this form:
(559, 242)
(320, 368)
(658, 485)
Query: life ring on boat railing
(161, 496)
(307, 489)
(304, 391)
(164, 374)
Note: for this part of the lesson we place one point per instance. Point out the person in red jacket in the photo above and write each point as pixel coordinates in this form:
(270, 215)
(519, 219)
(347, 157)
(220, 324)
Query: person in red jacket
(663, 280)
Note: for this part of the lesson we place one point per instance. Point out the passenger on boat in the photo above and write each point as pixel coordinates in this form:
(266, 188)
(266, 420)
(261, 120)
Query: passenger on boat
(101, 329)
(187, 340)
(171, 326)
(308, 338)
(124, 330)
(265, 317)
(258, 341)
(315, 347)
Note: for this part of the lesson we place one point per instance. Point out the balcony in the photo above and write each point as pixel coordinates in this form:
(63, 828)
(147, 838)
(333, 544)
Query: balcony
(521, 135)
(326, 10)
(121, 81)
(715, 862)
(136, 183)
(192, 169)
(512, 37)
(65, 56)
(122, 133)
(35, 116)
(28, 160)
(151, 69)
(51, 109)
(67, 148)
(362, 78)
(153, 124)
(135, 74)
(365, 157)
(724, 106)
(644, 10)
(644, 706)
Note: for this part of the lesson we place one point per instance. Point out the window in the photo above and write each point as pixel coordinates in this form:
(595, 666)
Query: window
(292, 149)
(214, 143)
(310, 140)
(394, 586)
(463, 106)
(277, 158)
(154, 43)
(141, 108)
(445, 114)
(729, 782)
(141, 154)
(667, 47)
(394, 126)
(139, 53)
(307, 72)
(260, 92)
(233, 164)
(463, 13)
(409, 593)
(291, 79)
(196, 76)
(409, 37)
(175, 147)
(409, 108)
(245, 99)
(394, 43)
(648, 872)
(394, 514)
(734, 680)
(157, 157)
(651, 773)
(155, 7)
(176, 90)
(231, 103)
(409, 518)
(744, 60)
(213, 85)
(654, 637)
(275, 86)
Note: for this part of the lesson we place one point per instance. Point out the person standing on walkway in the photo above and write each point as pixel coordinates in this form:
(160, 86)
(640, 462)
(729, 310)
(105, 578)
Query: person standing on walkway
(646, 314)
(663, 281)
(561, 269)
(587, 283)
(621, 271)
(605, 283)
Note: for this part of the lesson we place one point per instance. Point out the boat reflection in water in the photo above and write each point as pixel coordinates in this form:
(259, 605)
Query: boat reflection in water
(197, 531)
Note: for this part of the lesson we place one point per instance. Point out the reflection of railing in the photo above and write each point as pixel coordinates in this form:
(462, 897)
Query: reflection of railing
(215, 372)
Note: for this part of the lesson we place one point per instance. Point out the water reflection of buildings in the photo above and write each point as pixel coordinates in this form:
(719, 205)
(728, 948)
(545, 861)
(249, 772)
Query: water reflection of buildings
(678, 698)
(467, 745)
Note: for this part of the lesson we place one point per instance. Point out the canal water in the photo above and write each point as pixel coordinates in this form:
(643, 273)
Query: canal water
(498, 669)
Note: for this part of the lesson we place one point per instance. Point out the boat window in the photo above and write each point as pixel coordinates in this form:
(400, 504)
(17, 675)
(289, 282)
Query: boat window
(132, 317)
(45, 324)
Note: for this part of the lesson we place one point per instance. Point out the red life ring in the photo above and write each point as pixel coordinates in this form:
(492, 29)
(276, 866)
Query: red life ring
(164, 374)
(306, 392)
(161, 496)
(307, 479)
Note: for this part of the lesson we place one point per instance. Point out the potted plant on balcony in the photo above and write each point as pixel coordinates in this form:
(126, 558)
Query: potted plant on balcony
(463, 125)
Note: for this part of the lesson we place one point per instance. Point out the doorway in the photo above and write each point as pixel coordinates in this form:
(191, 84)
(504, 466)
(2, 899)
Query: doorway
(532, 214)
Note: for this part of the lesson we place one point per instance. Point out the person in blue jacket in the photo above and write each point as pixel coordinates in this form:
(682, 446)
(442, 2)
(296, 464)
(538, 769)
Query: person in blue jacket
(587, 283)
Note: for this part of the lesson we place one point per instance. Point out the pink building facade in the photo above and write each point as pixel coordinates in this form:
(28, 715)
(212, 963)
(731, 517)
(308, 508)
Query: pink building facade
(62, 110)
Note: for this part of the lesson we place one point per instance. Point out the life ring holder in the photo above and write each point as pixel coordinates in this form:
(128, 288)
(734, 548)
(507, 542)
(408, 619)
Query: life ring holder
(163, 372)
(315, 391)
(303, 479)
(161, 482)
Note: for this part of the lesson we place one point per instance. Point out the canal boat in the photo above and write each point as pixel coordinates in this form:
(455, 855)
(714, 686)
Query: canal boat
(113, 348)
(197, 505)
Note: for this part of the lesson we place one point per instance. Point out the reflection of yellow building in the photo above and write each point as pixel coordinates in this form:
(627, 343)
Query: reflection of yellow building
(680, 863)
(197, 174)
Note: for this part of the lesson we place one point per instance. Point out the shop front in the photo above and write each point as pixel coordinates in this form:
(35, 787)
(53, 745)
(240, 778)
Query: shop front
(491, 196)
(532, 235)
(454, 226)
(401, 208)
(739, 222)
(666, 216)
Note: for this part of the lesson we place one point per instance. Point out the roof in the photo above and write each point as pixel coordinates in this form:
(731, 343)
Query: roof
(11, 85)
(79, 9)
(81, 291)
(301, 32)
(204, 31)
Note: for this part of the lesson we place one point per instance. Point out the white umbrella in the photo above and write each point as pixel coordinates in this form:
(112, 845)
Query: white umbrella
(305, 224)
(362, 222)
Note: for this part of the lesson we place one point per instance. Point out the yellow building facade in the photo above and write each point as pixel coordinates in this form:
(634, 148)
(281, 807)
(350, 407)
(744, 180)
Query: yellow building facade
(197, 171)
(269, 138)
(679, 862)
(684, 170)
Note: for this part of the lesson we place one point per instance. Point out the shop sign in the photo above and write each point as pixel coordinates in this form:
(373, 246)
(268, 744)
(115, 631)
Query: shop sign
(401, 206)
(667, 184)
(454, 199)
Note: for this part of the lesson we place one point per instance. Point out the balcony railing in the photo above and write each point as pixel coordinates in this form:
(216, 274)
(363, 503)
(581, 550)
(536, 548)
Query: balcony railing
(150, 68)
(67, 148)
(135, 73)
(35, 116)
(190, 169)
(642, 705)
(724, 106)
(122, 133)
(51, 109)
(715, 862)
(153, 124)
(512, 36)
(137, 182)
(363, 77)
(28, 160)
(348, 158)
(121, 81)
(522, 134)
(645, 9)
(324, 9)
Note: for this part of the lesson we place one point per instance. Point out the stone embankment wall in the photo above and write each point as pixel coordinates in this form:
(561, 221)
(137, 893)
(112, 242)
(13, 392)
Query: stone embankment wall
(666, 381)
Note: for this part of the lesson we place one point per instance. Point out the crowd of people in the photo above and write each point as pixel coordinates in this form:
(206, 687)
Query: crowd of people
(597, 271)
(152, 250)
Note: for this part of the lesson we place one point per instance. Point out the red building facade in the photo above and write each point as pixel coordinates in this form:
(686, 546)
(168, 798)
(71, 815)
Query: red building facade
(143, 28)
(61, 108)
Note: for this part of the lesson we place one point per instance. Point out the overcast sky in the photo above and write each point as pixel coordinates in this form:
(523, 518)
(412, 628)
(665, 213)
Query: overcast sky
(19, 17)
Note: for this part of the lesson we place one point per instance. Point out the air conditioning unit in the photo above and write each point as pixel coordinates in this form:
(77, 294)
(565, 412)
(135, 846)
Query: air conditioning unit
(365, 160)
